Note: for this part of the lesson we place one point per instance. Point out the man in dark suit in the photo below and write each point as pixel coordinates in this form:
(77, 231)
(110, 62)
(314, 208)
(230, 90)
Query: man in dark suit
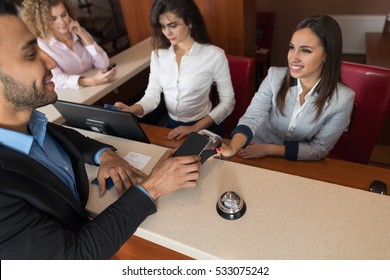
(43, 182)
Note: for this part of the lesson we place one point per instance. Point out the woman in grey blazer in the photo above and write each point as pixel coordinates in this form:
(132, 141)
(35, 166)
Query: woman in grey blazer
(299, 111)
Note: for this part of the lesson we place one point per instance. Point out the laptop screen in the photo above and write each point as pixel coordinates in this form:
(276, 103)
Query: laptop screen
(102, 120)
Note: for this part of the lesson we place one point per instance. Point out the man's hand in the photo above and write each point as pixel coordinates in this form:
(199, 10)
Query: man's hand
(121, 172)
(171, 174)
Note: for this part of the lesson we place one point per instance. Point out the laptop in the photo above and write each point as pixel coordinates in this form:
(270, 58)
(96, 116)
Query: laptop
(102, 120)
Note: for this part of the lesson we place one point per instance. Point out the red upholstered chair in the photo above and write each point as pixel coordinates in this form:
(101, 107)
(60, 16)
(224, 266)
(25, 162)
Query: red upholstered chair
(242, 72)
(372, 104)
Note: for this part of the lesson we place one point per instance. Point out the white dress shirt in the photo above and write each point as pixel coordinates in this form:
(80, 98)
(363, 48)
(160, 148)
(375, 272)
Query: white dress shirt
(298, 108)
(187, 90)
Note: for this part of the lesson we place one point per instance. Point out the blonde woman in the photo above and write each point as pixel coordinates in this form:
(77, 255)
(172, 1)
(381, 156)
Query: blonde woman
(69, 44)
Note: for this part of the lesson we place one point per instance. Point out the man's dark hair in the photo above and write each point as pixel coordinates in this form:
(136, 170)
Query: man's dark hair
(7, 7)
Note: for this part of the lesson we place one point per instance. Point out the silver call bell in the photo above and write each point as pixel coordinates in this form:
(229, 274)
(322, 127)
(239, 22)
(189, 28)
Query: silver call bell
(230, 206)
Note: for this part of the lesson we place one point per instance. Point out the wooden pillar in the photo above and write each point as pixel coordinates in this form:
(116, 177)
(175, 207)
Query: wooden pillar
(231, 24)
(136, 14)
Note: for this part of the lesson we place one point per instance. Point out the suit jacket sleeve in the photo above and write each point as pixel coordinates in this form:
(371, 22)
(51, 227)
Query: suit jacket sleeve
(39, 219)
(28, 232)
(85, 146)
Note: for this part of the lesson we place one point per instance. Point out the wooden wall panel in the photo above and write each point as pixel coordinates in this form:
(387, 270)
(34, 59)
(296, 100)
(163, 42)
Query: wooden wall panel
(289, 13)
(249, 27)
(231, 23)
(136, 15)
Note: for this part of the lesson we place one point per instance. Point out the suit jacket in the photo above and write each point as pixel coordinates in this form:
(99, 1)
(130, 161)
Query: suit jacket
(312, 140)
(41, 219)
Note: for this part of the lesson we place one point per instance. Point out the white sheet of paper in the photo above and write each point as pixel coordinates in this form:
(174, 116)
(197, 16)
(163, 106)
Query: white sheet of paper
(137, 160)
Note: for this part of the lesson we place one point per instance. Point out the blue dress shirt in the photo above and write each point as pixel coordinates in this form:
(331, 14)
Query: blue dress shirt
(44, 149)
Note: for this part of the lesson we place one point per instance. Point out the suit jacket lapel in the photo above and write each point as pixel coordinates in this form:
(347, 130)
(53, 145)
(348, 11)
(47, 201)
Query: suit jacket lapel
(43, 188)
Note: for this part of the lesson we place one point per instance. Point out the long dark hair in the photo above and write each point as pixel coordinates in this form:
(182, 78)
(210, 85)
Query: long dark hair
(185, 9)
(328, 31)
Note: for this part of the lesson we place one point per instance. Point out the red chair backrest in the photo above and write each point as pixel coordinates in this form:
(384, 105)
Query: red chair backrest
(372, 102)
(242, 72)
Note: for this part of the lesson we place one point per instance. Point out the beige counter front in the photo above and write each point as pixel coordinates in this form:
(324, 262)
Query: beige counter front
(128, 63)
(287, 217)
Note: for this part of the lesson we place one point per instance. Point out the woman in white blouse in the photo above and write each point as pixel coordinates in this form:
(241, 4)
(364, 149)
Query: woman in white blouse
(183, 66)
(299, 111)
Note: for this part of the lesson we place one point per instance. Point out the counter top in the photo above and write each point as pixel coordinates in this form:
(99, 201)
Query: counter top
(287, 217)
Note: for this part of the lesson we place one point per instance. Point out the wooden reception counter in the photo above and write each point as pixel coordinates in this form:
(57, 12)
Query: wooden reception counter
(288, 216)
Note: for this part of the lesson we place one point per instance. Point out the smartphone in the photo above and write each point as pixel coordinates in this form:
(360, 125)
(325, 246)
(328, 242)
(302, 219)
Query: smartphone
(111, 107)
(109, 67)
(193, 145)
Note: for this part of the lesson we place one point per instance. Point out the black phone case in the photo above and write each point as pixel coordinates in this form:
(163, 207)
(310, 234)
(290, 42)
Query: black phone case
(109, 67)
(193, 145)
